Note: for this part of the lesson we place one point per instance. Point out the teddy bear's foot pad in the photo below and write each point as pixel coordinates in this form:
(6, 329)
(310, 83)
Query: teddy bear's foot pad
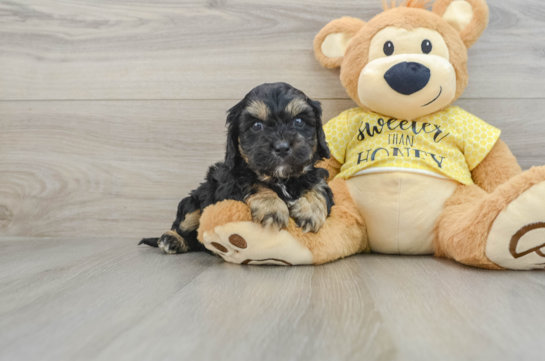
(249, 243)
(517, 237)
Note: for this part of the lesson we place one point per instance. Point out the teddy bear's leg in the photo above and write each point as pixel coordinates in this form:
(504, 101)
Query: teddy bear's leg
(227, 229)
(503, 229)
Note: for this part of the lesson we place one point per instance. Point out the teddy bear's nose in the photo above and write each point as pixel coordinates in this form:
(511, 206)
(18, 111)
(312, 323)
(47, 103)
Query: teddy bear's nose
(407, 78)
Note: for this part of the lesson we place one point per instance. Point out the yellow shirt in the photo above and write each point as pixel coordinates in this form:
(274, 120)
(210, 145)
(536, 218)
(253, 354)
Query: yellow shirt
(447, 144)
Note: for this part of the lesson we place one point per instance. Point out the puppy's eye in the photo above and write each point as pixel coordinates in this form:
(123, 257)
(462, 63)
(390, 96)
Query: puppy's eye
(426, 46)
(298, 123)
(256, 127)
(388, 48)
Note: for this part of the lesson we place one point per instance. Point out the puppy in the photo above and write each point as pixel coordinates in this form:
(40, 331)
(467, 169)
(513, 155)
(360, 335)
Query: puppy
(274, 140)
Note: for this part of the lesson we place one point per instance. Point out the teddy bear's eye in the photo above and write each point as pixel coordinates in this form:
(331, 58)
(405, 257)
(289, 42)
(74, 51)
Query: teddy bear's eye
(426, 46)
(388, 48)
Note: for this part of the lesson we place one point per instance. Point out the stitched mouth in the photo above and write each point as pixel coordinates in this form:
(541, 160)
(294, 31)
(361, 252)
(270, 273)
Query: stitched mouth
(437, 97)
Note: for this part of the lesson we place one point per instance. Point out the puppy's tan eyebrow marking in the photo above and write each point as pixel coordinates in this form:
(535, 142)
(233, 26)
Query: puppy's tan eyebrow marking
(296, 106)
(258, 109)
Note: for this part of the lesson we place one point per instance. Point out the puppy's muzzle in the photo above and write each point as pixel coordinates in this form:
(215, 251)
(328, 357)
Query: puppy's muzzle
(282, 149)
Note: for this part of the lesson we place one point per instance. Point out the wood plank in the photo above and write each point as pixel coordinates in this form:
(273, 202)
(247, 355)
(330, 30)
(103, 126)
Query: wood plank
(91, 298)
(441, 310)
(216, 49)
(88, 293)
(119, 168)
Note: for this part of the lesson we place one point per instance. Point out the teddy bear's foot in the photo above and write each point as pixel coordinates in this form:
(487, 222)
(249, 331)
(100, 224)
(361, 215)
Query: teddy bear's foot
(517, 237)
(249, 243)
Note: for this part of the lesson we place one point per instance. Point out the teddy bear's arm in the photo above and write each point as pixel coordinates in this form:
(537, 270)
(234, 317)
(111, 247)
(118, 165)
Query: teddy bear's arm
(332, 166)
(498, 167)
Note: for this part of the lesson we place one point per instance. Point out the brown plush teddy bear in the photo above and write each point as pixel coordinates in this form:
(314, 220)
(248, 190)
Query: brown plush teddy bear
(410, 172)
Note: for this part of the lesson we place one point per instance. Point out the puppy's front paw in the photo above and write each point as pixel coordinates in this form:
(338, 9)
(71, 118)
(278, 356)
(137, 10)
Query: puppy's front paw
(309, 212)
(268, 209)
(273, 215)
(172, 243)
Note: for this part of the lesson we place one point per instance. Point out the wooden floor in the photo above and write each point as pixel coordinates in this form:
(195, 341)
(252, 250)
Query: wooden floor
(110, 112)
(106, 299)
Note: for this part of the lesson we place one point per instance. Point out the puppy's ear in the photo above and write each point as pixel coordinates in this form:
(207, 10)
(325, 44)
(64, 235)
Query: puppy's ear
(233, 116)
(323, 149)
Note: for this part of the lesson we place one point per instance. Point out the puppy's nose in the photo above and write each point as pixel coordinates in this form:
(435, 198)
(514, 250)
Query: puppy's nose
(282, 148)
(407, 78)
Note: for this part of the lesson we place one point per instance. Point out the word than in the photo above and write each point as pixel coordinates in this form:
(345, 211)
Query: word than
(401, 139)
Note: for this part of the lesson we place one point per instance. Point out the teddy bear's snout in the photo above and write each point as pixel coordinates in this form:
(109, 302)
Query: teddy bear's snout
(408, 77)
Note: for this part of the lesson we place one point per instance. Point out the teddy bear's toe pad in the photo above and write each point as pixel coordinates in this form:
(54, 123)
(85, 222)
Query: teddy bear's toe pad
(517, 237)
(249, 243)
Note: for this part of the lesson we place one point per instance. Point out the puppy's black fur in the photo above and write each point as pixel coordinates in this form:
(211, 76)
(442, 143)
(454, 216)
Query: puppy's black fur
(274, 140)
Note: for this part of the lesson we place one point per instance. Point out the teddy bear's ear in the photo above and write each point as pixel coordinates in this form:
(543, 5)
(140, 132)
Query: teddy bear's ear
(331, 42)
(468, 17)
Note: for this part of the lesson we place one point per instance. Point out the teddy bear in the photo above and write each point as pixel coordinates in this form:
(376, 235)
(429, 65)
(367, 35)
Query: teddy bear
(411, 173)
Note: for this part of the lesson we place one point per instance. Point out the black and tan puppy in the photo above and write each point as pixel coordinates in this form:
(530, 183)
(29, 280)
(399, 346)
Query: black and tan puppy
(274, 140)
